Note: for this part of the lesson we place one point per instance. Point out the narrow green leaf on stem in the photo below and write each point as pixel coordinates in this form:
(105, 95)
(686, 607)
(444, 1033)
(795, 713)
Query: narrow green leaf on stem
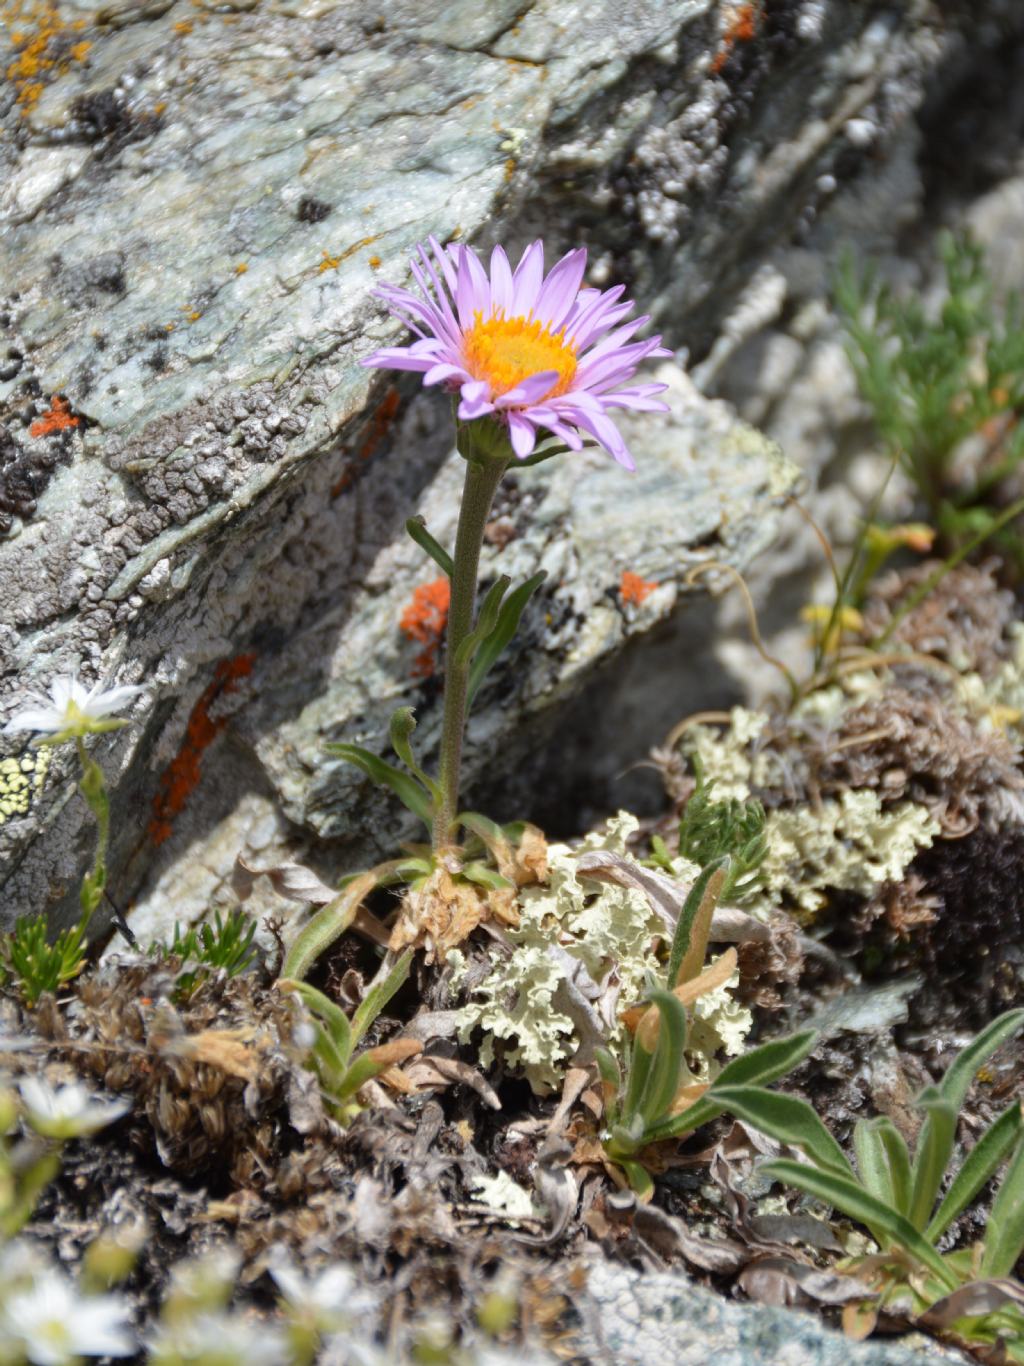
(364, 1069)
(483, 876)
(390, 977)
(690, 940)
(788, 1119)
(640, 1060)
(485, 621)
(608, 1070)
(759, 1066)
(402, 725)
(403, 785)
(964, 1067)
(1004, 1232)
(850, 1198)
(338, 1029)
(329, 923)
(504, 629)
(934, 1149)
(883, 1161)
(639, 1178)
(978, 1167)
(667, 1065)
(417, 529)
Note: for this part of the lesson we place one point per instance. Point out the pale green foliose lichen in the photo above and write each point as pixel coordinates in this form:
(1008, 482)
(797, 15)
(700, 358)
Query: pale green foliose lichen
(997, 703)
(724, 755)
(611, 930)
(850, 844)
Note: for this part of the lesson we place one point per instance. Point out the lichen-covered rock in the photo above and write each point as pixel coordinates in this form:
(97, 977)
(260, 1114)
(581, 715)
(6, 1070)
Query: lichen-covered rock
(197, 481)
(663, 1319)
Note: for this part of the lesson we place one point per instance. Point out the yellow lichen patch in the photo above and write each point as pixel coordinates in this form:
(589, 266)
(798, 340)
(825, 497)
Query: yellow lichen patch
(505, 351)
(20, 781)
(43, 50)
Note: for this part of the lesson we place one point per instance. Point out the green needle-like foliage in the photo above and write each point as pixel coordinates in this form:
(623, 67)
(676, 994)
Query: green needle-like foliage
(226, 945)
(942, 382)
(34, 963)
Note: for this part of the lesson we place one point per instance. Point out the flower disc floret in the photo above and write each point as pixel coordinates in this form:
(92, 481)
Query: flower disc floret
(530, 350)
(507, 351)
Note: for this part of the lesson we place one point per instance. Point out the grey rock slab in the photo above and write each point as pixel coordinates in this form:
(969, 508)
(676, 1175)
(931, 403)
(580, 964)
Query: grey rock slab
(663, 1319)
(196, 202)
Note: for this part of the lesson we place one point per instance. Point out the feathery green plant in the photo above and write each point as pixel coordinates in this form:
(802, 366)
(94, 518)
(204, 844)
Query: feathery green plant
(711, 830)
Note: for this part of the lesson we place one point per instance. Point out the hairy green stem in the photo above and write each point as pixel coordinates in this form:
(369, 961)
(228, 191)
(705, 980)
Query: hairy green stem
(484, 469)
(94, 790)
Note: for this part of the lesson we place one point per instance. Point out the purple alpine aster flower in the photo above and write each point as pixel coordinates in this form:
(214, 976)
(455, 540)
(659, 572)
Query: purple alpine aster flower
(527, 349)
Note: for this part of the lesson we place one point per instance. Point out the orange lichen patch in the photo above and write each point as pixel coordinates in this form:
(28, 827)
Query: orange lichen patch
(742, 27)
(424, 620)
(57, 418)
(379, 426)
(181, 777)
(333, 262)
(633, 589)
(183, 26)
(41, 41)
(374, 263)
(241, 268)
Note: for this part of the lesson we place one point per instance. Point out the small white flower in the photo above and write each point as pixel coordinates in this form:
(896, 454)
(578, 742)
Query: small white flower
(218, 1340)
(329, 1299)
(72, 710)
(70, 1111)
(53, 1325)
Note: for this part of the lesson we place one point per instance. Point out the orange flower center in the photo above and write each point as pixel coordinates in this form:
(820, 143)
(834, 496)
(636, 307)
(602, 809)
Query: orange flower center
(505, 351)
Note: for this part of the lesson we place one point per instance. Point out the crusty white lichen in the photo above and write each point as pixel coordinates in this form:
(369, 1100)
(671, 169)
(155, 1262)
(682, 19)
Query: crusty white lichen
(522, 1004)
(505, 1196)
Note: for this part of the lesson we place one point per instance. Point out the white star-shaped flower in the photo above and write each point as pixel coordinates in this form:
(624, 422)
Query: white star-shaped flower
(72, 710)
(55, 1326)
(70, 1111)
